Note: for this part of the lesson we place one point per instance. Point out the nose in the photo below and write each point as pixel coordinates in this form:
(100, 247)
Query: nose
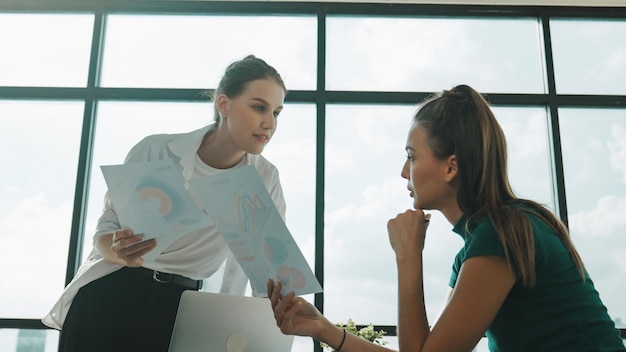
(405, 170)
(269, 121)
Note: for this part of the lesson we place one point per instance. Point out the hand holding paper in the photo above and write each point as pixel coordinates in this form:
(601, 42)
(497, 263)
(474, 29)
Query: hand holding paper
(150, 199)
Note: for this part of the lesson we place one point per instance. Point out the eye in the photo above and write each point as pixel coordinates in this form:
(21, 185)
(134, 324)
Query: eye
(409, 157)
(276, 113)
(259, 108)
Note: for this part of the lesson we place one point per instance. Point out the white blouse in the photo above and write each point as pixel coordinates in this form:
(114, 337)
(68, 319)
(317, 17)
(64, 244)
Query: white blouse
(197, 255)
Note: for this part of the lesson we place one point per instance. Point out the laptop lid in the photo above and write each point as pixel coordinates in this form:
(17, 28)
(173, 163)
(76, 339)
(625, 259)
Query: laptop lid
(211, 322)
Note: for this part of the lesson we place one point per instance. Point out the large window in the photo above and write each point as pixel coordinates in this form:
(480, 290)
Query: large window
(589, 56)
(45, 50)
(37, 195)
(429, 54)
(185, 51)
(80, 86)
(594, 153)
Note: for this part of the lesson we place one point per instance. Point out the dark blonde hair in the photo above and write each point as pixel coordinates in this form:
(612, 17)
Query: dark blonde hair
(460, 122)
(239, 73)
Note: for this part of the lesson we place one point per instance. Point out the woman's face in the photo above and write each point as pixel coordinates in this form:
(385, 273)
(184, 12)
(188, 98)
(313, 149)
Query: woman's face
(251, 117)
(429, 179)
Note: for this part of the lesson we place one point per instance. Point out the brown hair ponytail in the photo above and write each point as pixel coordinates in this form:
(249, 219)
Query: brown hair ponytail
(460, 122)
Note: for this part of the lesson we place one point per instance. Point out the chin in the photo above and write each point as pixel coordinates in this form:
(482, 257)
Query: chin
(418, 205)
(255, 151)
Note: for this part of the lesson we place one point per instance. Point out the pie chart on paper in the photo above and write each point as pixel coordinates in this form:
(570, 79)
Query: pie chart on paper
(171, 204)
(291, 277)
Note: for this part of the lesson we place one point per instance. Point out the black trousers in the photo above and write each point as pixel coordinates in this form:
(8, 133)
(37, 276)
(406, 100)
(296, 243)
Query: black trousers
(123, 311)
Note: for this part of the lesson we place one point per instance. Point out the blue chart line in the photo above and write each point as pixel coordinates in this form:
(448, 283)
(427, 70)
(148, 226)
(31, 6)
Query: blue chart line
(252, 214)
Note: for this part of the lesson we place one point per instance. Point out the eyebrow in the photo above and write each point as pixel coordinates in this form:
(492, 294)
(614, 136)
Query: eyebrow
(265, 102)
(407, 148)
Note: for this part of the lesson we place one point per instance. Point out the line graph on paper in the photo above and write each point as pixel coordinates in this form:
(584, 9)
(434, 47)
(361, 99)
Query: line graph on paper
(256, 234)
(251, 213)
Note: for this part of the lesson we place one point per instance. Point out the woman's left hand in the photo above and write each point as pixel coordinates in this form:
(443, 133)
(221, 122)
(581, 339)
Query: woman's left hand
(293, 314)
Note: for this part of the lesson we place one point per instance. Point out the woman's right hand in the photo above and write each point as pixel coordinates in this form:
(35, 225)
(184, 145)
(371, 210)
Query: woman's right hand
(125, 247)
(128, 247)
(407, 233)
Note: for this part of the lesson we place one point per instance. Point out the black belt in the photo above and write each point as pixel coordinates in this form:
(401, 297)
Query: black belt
(167, 278)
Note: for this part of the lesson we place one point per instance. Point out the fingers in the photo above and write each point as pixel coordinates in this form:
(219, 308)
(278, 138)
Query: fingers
(291, 310)
(407, 233)
(271, 294)
(128, 247)
(124, 238)
(285, 312)
(285, 308)
(409, 218)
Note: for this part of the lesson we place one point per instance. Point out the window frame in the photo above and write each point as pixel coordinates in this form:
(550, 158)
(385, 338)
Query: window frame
(93, 93)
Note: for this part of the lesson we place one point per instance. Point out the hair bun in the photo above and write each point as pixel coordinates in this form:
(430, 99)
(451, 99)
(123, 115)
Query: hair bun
(464, 90)
(462, 94)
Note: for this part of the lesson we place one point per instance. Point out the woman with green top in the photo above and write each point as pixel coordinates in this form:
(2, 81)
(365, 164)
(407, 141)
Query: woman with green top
(518, 278)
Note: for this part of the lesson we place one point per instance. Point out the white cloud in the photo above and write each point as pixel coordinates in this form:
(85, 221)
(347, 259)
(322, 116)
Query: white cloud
(608, 219)
(617, 149)
(404, 56)
(383, 129)
(338, 157)
(295, 160)
(35, 237)
(618, 257)
(9, 189)
(615, 62)
(608, 67)
(525, 134)
(374, 200)
(362, 308)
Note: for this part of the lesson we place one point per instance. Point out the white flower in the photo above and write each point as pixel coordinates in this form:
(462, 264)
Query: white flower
(368, 333)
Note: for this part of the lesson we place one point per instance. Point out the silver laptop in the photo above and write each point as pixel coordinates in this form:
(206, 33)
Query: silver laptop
(211, 322)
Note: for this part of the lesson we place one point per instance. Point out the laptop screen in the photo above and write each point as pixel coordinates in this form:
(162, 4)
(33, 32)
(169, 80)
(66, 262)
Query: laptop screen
(211, 322)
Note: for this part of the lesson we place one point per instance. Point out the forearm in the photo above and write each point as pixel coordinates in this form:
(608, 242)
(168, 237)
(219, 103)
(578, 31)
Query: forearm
(413, 326)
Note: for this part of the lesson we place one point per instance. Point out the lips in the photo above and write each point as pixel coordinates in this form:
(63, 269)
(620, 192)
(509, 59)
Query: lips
(263, 138)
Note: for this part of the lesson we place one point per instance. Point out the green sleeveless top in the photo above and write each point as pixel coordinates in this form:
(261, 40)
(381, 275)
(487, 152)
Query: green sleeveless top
(560, 313)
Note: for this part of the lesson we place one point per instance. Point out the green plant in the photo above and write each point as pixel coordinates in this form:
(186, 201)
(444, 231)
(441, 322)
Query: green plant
(368, 333)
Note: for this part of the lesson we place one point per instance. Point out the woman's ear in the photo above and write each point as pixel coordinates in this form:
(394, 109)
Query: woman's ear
(452, 168)
(222, 103)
